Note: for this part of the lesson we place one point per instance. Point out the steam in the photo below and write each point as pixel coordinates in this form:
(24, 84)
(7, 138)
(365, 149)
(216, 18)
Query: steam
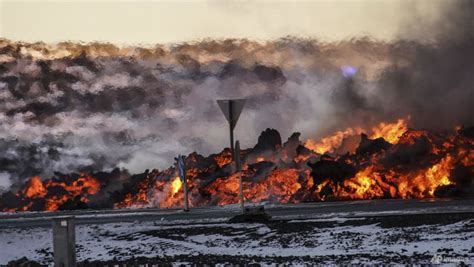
(4, 181)
(75, 107)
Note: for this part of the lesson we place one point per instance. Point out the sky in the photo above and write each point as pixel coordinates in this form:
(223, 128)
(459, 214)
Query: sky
(153, 21)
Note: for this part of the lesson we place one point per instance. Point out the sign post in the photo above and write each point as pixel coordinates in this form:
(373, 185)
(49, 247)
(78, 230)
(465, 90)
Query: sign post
(231, 109)
(238, 165)
(182, 176)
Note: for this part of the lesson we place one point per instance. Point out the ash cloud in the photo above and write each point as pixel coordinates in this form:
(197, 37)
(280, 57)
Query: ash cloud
(75, 107)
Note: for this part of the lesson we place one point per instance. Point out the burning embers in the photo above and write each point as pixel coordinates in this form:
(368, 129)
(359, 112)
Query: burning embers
(390, 162)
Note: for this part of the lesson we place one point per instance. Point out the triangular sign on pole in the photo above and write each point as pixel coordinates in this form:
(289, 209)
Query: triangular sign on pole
(231, 109)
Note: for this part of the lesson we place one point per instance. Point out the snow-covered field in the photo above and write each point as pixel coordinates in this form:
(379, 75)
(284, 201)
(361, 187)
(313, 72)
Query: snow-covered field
(442, 238)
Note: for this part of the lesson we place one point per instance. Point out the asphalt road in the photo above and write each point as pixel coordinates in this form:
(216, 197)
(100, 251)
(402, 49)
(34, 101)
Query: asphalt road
(286, 211)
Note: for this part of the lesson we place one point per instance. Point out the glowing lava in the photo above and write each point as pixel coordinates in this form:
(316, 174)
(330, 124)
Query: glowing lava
(392, 162)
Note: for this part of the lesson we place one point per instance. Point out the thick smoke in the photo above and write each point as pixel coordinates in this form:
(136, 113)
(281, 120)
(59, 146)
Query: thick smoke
(435, 86)
(75, 107)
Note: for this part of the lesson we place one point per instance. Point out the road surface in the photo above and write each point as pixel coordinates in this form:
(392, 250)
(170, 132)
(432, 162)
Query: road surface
(277, 211)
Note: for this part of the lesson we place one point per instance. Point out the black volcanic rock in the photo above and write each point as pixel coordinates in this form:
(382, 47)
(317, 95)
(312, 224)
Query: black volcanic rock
(195, 160)
(261, 170)
(304, 151)
(73, 204)
(463, 175)
(269, 139)
(326, 191)
(290, 146)
(337, 171)
(24, 262)
(292, 142)
(56, 190)
(451, 191)
(410, 155)
(467, 132)
(9, 200)
(369, 146)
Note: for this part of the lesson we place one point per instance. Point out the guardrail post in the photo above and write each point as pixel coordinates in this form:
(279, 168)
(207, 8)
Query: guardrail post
(64, 242)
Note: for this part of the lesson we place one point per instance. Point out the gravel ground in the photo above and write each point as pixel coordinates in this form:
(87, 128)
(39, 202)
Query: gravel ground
(446, 238)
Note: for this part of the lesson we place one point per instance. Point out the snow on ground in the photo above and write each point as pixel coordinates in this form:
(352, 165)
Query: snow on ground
(353, 239)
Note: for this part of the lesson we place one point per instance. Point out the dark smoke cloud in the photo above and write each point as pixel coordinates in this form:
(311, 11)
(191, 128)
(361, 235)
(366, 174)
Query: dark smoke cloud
(436, 85)
(77, 107)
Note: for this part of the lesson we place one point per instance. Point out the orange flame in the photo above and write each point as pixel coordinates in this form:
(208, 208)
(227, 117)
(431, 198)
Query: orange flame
(362, 186)
(391, 132)
(368, 183)
(329, 143)
(35, 188)
(175, 185)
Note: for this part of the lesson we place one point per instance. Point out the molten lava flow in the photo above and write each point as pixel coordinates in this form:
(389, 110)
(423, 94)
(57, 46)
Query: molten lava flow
(35, 188)
(175, 185)
(52, 194)
(171, 194)
(362, 186)
(84, 184)
(139, 199)
(329, 143)
(391, 132)
(368, 183)
(391, 161)
(424, 183)
(225, 190)
(280, 186)
(223, 159)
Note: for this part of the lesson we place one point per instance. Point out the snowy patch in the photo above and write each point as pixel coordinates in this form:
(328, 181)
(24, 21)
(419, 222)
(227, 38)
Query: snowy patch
(345, 237)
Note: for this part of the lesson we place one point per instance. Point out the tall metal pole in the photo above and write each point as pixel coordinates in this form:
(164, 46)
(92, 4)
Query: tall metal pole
(242, 205)
(238, 165)
(232, 109)
(231, 128)
(186, 203)
(182, 175)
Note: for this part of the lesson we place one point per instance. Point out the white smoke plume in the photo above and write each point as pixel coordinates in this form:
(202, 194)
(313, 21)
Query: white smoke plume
(74, 107)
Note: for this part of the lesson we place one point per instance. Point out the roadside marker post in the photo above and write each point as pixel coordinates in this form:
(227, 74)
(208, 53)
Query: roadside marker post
(238, 165)
(232, 109)
(182, 176)
(64, 242)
